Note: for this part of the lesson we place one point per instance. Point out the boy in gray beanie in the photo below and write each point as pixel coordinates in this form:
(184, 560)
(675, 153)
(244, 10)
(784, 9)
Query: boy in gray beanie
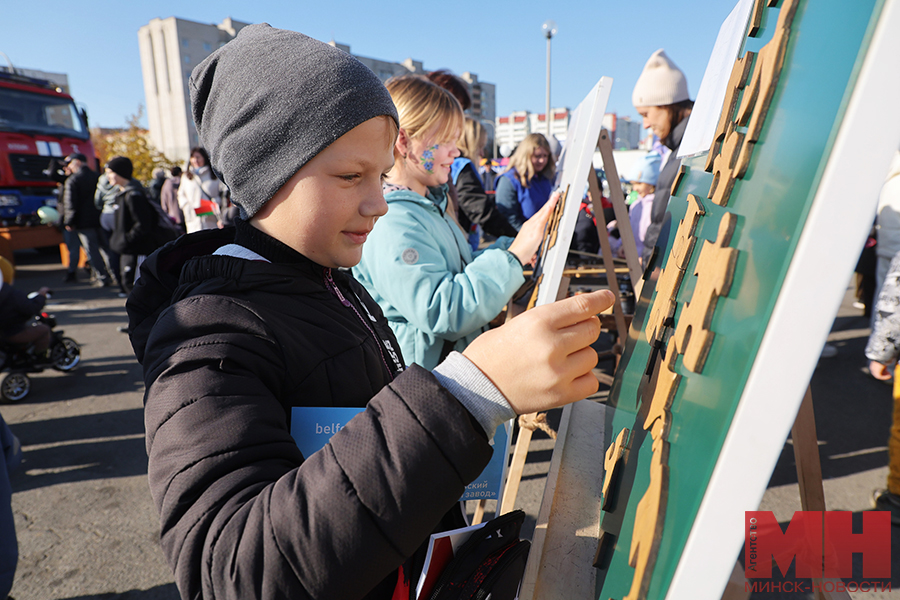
(270, 100)
(240, 331)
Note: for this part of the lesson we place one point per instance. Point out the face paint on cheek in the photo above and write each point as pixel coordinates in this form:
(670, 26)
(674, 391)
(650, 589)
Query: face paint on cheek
(427, 158)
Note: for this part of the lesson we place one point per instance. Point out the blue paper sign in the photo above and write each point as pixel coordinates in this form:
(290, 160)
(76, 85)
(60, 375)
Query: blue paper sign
(313, 426)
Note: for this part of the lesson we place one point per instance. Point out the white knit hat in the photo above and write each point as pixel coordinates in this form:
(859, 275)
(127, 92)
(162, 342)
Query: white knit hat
(661, 83)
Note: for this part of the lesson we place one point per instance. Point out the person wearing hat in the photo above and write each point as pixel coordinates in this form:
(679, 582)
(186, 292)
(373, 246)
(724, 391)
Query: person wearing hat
(661, 98)
(81, 217)
(135, 220)
(239, 328)
(644, 175)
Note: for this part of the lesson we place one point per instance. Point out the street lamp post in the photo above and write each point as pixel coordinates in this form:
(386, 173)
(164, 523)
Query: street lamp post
(549, 29)
(493, 135)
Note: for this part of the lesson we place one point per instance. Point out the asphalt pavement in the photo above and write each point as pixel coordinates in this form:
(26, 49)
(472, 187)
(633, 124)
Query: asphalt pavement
(86, 525)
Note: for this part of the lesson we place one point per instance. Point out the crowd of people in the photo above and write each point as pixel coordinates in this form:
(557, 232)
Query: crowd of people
(114, 218)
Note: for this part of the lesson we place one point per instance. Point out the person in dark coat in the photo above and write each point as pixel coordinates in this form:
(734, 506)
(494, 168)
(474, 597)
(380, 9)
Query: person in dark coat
(236, 328)
(10, 458)
(154, 188)
(476, 206)
(81, 216)
(133, 234)
(661, 98)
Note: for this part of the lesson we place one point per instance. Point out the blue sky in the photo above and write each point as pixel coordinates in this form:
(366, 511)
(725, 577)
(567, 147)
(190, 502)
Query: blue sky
(95, 43)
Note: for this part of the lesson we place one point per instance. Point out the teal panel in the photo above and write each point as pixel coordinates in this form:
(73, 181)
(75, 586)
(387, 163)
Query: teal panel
(827, 42)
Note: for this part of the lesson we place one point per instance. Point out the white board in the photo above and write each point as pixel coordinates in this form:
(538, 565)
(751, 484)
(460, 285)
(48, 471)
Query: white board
(577, 156)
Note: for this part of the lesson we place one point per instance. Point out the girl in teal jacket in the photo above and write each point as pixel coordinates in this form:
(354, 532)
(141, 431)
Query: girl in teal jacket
(436, 293)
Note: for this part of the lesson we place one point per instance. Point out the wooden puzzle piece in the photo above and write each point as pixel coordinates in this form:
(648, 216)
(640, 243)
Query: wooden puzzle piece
(648, 522)
(738, 80)
(723, 166)
(756, 17)
(667, 381)
(761, 89)
(715, 272)
(678, 177)
(670, 279)
(614, 456)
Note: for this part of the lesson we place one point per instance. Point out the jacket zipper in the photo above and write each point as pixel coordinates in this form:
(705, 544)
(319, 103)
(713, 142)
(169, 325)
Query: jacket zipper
(333, 288)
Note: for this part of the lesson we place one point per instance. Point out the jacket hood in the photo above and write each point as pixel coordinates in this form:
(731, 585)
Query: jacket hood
(186, 267)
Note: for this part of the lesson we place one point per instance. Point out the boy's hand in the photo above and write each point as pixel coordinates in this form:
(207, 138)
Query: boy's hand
(542, 359)
(529, 238)
(879, 371)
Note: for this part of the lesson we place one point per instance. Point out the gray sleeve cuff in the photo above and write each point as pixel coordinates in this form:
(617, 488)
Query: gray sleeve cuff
(475, 392)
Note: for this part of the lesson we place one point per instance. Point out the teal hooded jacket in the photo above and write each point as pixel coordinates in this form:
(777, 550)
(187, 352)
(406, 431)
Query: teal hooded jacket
(421, 270)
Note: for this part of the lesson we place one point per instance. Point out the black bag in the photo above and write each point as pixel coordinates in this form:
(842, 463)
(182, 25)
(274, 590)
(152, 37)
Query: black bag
(490, 563)
(166, 229)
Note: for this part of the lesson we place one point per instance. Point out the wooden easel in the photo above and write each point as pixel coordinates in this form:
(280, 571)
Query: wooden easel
(621, 321)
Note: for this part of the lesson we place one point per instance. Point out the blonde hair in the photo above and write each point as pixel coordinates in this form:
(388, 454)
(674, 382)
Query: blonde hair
(521, 159)
(425, 109)
(473, 138)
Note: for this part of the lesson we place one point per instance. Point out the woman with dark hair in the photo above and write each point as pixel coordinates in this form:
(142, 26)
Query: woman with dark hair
(526, 185)
(661, 97)
(198, 193)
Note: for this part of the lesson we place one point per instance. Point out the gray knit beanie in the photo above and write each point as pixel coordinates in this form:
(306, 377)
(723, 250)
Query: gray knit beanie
(268, 101)
(661, 82)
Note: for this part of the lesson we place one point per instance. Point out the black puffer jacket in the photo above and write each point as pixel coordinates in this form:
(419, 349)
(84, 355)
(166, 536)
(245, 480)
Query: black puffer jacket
(228, 347)
(79, 211)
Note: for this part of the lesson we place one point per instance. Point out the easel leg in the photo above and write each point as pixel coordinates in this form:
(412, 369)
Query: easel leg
(809, 473)
(514, 477)
(735, 589)
(479, 512)
(515, 471)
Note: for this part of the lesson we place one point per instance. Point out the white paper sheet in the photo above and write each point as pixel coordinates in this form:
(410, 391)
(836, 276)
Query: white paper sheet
(708, 106)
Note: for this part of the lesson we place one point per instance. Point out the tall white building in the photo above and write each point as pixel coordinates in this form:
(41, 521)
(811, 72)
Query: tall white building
(170, 49)
(513, 128)
(624, 133)
(483, 94)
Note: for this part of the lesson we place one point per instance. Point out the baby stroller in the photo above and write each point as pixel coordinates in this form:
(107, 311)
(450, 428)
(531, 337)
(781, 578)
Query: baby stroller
(64, 354)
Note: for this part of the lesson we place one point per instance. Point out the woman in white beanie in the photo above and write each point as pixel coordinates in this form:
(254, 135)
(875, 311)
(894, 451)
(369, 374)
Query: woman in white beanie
(661, 98)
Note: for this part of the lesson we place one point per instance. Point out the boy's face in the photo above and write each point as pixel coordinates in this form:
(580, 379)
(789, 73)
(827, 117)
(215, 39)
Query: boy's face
(327, 209)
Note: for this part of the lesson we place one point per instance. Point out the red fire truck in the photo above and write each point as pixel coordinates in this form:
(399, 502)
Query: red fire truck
(38, 123)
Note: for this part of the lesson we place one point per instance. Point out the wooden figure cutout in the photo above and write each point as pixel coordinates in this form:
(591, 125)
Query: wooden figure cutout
(756, 17)
(648, 522)
(715, 271)
(664, 393)
(678, 177)
(615, 454)
(670, 279)
(758, 96)
(723, 166)
(738, 80)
